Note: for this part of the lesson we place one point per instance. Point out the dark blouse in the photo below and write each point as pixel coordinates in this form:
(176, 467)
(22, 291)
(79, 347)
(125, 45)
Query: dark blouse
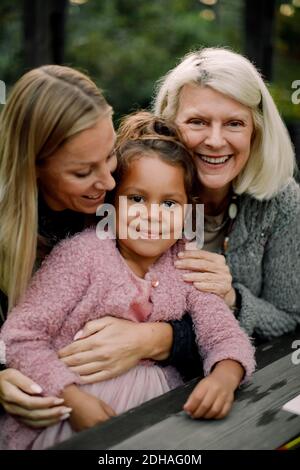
(54, 226)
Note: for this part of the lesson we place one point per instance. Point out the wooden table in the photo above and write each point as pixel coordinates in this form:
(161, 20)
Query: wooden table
(255, 422)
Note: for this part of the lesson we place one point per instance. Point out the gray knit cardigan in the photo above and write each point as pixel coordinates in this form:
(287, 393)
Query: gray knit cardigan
(264, 259)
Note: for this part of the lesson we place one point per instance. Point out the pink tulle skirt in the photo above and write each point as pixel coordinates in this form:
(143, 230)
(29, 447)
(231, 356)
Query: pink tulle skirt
(136, 386)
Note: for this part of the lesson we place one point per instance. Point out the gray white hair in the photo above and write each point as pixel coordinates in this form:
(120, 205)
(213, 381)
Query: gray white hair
(272, 161)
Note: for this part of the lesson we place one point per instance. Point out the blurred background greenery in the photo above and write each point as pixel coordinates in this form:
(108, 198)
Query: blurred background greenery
(126, 45)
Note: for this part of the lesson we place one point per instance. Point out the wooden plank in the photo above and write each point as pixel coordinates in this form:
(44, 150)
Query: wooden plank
(256, 421)
(135, 421)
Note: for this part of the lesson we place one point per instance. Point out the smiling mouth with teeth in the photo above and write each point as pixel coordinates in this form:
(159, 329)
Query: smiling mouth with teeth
(94, 197)
(214, 160)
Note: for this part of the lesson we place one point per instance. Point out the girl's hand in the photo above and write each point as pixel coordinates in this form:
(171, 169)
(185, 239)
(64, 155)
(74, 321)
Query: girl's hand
(87, 410)
(213, 396)
(210, 273)
(20, 396)
(110, 346)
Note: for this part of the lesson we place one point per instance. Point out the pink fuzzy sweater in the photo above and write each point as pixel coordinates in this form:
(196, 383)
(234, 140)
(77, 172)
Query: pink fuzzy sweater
(85, 278)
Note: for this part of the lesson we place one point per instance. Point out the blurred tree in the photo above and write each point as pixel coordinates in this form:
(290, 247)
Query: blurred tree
(126, 45)
(44, 31)
(10, 40)
(259, 34)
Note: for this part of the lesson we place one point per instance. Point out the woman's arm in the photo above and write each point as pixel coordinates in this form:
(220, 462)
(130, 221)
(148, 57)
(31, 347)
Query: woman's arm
(108, 347)
(184, 355)
(277, 310)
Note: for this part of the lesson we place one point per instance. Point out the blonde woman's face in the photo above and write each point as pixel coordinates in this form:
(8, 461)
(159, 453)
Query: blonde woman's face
(78, 174)
(218, 130)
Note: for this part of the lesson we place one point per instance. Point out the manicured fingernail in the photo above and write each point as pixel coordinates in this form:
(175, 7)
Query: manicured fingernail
(58, 401)
(36, 388)
(180, 254)
(78, 335)
(65, 410)
(63, 417)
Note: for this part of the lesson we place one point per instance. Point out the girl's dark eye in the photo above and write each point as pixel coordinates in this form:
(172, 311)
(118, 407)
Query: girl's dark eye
(136, 198)
(169, 204)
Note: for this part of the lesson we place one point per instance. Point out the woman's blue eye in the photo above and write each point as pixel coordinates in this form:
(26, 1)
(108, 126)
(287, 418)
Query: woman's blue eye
(235, 123)
(197, 122)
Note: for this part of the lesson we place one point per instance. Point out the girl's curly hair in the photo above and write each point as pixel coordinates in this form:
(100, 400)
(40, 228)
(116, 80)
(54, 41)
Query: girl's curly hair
(142, 134)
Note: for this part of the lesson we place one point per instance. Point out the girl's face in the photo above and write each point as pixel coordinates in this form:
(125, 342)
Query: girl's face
(78, 174)
(150, 214)
(218, 129)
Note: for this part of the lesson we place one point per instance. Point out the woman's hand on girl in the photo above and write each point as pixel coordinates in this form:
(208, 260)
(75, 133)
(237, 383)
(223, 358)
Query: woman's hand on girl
(110, 346)
(213, 396)
(20, 396)
(210, 273)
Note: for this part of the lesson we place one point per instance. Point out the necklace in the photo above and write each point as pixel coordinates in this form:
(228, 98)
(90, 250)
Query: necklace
(232, 213)
(215, 228)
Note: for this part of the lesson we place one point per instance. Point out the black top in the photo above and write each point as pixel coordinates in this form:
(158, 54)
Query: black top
(54, 226)
(184, 354)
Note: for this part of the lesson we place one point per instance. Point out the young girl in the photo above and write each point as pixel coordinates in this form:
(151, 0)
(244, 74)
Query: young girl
(133, 277)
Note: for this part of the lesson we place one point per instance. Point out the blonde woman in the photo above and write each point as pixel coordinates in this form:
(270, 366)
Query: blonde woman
(56, 158)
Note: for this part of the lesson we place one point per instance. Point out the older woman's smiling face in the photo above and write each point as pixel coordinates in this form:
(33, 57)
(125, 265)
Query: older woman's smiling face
(218, 129)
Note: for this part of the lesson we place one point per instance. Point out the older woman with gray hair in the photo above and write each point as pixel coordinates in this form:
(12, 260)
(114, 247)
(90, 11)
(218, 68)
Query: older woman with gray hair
(245, 164)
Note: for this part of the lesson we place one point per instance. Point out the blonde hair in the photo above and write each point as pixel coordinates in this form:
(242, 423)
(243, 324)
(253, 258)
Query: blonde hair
(272, 161)
(47, 106)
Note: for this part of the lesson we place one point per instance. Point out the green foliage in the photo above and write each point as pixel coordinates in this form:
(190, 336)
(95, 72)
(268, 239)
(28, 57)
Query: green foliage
(283, 99)
(10, 40)
(126, 45)
(286, 63)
